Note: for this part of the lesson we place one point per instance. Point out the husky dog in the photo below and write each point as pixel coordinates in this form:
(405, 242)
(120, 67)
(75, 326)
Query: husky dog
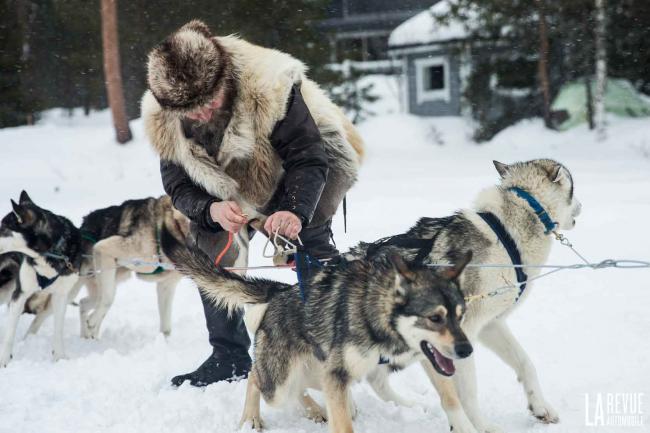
(120, 240)
(356, 312)
(50, 260)
(510, 222)
(10, 288)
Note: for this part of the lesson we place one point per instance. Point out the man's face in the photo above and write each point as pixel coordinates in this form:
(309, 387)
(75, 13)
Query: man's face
(204, 113)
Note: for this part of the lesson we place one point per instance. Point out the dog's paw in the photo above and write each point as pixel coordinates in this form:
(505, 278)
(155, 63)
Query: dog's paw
(255, 422)
(316, 413)
(459, 423)
(544, 412)
(464, 427)
(58, 356)
(93, 323)
(83, 331)
(4, 360)
(92, 332)
(318, 418)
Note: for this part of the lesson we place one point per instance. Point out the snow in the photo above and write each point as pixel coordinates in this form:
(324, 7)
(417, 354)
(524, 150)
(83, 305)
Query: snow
(586, 331)
(425, 27)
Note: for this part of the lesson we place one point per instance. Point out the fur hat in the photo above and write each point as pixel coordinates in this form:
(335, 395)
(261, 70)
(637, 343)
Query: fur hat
(187, 69)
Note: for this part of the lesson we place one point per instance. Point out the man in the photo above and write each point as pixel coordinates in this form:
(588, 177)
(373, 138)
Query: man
(243, 134)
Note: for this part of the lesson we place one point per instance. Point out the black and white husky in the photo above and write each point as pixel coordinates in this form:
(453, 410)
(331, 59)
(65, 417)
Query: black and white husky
(37, 304)
(511, 222)
(47, 266)
(51, 259)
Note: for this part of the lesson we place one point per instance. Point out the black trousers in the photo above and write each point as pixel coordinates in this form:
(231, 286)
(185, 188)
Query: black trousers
(227, 334)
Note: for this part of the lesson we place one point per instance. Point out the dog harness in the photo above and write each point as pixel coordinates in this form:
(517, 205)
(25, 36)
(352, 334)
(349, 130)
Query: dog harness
(423, 245)
(160, 269)
(541, 213)
(44, 282)
(57, 254)
(510, 246)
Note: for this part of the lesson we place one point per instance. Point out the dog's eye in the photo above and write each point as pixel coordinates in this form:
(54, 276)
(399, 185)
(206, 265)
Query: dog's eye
(437, 319)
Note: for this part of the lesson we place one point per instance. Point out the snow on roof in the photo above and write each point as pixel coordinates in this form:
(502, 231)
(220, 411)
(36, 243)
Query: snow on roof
(424, 27)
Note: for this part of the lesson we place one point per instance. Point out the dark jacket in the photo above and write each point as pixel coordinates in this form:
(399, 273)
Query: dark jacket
(298, 143)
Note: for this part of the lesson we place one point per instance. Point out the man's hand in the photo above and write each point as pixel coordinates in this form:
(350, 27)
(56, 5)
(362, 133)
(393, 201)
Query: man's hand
(228, 214)
(285, 223)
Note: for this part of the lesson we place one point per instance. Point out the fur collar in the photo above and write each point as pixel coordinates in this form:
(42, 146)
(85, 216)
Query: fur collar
(264, 78)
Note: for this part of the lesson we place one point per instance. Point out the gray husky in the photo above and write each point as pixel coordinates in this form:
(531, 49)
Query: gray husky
(512, 222)
(355, 313)
(47, 267)
(120, 240)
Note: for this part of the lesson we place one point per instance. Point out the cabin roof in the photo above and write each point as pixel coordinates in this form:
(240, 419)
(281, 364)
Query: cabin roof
(425, 28)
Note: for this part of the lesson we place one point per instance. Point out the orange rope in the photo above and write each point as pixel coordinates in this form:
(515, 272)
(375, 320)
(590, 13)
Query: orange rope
(224, 251)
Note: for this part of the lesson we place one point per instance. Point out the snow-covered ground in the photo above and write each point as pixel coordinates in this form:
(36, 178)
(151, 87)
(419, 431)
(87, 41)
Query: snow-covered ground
(585, 330)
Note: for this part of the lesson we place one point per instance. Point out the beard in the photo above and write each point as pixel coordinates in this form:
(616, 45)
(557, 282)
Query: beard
(208, 134)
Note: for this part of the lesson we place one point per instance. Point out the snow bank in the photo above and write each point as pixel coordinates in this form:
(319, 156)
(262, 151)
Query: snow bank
(585, 330)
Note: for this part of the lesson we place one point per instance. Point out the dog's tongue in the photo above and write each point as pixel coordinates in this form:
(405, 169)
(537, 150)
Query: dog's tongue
(446, 364)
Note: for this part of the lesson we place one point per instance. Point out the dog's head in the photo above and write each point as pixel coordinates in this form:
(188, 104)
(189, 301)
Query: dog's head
(429, 310)
(25, 227)
(549, 182)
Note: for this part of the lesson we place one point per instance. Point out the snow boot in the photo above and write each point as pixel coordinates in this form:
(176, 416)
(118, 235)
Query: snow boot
(229, 360)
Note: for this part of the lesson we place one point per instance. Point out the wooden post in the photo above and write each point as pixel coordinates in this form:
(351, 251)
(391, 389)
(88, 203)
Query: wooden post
(112, 73)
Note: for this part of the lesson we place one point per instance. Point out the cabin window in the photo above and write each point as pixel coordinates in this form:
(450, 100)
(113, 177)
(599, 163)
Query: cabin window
(432, 79)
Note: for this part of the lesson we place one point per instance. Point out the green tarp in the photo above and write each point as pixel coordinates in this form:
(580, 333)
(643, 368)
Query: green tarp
(620, 98)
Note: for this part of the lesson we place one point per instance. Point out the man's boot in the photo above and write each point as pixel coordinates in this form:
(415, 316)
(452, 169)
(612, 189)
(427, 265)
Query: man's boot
(229, 360)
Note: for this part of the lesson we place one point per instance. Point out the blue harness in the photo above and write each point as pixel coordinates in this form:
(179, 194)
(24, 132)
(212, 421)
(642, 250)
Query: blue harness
(304, 262)
(506, 240)
(510, 246)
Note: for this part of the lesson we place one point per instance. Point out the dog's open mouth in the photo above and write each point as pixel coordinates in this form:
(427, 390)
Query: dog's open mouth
(442, 364)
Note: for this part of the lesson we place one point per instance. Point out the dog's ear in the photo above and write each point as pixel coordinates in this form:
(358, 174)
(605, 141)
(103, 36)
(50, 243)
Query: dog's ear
(402, 267)
(502, 168)
(18, 211)
(556, 173)
(23, 215)
(454, 271)
(24, 198)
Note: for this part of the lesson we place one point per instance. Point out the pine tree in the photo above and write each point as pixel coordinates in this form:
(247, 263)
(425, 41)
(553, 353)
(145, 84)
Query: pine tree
(12, 109)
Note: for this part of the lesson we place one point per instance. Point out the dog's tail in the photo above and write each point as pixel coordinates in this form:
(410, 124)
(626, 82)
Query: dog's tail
(224, 288)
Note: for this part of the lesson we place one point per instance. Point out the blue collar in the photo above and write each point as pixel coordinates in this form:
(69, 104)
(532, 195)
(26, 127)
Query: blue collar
(541, 213)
